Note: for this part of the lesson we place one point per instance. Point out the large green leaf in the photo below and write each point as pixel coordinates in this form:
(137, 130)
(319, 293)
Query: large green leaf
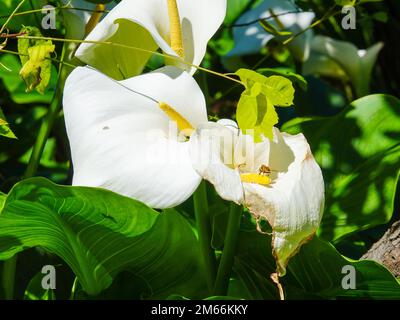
(99, 233)
(358, 151)
(315, 272)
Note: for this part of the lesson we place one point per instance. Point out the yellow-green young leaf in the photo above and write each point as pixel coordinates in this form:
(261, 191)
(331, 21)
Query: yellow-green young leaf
(5, 130)
(256, 114)
(279, 90)
(246, 113)
(36, 71)
(34, 55)
(25, 44)
(268, 116)
(270, 28)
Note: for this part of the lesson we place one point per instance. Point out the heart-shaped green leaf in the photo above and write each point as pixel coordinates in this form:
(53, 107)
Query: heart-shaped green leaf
(256, 113)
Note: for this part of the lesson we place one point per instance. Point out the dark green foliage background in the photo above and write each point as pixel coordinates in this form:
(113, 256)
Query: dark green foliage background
(120, 249)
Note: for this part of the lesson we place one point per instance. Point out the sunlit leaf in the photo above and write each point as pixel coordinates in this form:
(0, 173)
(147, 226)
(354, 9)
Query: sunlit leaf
(256, 114)
(293, 77)
(279, 90)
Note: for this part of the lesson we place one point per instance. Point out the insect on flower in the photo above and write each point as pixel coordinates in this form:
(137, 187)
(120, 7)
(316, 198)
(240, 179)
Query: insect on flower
(264, 170)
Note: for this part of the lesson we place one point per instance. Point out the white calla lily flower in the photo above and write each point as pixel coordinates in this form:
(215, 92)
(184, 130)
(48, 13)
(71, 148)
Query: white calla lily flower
(182, 31)
(343, 60)
(249, 39)
(121, 136)
(278, 180)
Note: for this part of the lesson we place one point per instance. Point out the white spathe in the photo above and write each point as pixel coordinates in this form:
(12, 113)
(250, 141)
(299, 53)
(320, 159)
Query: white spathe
(343, 60)
(122, 141)
(294, 200)
(146, 25)
(249, 39)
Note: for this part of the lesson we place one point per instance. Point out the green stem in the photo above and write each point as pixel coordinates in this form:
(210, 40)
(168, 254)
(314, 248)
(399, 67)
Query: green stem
(8, 276)
(9, 267)
(43, 135)
(73, 289)
(326, 16)
(204, 228)
(228, 254)
(37, 20)
(49, 119)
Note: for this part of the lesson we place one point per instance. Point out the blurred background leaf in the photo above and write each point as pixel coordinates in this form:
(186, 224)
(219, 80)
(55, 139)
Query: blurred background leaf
(358, 151)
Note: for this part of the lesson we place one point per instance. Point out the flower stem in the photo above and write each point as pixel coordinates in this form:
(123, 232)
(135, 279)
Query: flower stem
(8, 276)
(204, 228)
(228, 254)
(9, 267)
(48, 121)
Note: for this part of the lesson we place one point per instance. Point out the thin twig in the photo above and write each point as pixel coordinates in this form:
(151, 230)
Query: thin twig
(54, 9)
(264, 18)
(11, 16)
(177, 59)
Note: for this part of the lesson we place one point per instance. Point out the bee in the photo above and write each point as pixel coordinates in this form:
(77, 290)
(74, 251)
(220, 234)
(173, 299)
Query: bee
(264, 170)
